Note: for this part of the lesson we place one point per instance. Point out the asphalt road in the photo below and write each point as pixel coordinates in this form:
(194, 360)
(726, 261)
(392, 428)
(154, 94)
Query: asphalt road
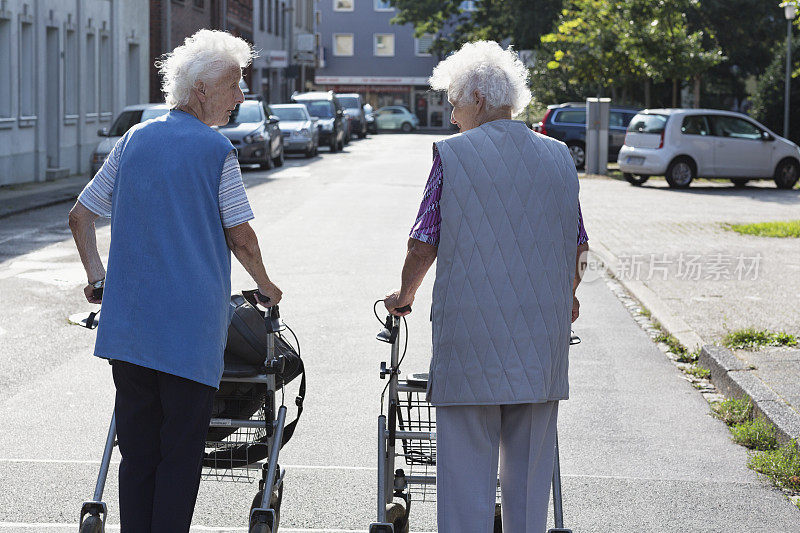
(639, 449)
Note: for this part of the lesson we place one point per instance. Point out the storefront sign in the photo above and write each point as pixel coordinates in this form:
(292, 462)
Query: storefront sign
(369, 80)
(277, 58)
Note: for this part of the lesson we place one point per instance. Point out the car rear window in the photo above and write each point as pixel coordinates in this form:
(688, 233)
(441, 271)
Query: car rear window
(319, 108)
(349, 102)
(572, 116)
(648, 123)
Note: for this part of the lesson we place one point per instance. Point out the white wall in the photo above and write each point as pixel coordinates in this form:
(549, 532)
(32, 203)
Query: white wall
(61, 129)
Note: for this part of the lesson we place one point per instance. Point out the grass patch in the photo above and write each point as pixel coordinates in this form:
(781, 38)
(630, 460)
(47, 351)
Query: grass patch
(753, 339)
(699, 372)
(756, 434)
(781, 465)
(790, 228)
(734, 411)
(672, 343)
(689, 357)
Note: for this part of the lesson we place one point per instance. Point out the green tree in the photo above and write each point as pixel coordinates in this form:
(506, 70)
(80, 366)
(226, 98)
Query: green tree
(768, 101)
(520, 22)
(620, 43)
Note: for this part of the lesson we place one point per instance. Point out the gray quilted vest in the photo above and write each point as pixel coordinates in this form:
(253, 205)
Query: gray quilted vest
(502, 299)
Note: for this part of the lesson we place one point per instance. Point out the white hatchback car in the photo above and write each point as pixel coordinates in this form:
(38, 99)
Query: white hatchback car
(683, 144)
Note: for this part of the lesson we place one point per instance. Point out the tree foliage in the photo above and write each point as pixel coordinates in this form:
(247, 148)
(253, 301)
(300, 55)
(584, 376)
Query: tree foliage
(768, 101)
(619, 43)
(519, 22)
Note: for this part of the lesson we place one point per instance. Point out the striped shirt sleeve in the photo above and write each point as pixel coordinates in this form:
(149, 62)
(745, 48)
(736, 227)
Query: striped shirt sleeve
(96, 196)
(427, 226)
(582, 236)
(234, 207)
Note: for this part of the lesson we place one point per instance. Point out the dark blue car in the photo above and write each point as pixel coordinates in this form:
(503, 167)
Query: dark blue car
(567, 123)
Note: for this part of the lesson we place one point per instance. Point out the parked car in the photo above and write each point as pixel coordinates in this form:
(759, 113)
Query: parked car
(369, 116)
(253, 130)
(684, 144)
(396, 117)
(567, 123)
(325, 107)
(129, 117)
(299, 129)
(353, 108)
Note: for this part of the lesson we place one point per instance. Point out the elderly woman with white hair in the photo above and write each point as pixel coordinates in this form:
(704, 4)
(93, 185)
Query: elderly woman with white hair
(500, 215)
(173, 190)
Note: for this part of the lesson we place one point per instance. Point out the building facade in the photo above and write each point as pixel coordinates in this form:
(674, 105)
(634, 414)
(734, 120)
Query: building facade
(285, 37)
(363, 52)
(67, 67)
(172, 21)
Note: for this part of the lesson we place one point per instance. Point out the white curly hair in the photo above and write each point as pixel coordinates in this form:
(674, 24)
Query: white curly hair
(204, 56)
(483, 66)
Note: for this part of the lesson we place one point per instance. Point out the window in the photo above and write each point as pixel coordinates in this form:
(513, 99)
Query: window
(200, 4)
(647, 123)
(26, 66)
(5, 68)
(277, 17)
(261, 15)
(422, 45)
(735, 128)
(71, 73)
(343, 44)
(283, 20)
(132, 83)
(695, 125)
(343, 5)
(384, 44)
(616, 120)
(90, 87)
(383, 5)
(572, 116)
(105, 74)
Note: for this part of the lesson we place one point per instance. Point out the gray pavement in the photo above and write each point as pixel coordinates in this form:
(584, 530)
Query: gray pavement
(639, 447)
(670, 248)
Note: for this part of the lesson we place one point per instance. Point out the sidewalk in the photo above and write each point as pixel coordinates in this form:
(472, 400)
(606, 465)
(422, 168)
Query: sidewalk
(16, 199)
(701, 281)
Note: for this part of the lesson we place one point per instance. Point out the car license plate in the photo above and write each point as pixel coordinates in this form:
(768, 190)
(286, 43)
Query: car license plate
(635, 160)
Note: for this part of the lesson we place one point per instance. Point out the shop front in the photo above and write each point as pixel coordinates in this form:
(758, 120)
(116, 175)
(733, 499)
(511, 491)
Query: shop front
(431, 107)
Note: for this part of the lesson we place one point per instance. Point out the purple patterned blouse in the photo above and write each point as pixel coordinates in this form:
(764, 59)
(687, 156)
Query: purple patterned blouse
(429, 219)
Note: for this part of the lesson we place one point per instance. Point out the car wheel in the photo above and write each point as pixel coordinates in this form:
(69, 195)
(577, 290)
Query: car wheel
(739, 183)
(279, 159)
(635, 179)
(406, 127)
(267, 163)
(680, 173)
(578, 152)
(786, 174)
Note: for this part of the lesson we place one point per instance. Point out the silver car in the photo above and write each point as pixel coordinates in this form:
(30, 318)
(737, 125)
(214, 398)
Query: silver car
(129, 117)
(299, 129)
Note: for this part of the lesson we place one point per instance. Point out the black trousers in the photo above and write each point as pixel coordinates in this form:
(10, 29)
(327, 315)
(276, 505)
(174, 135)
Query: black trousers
(162, 421)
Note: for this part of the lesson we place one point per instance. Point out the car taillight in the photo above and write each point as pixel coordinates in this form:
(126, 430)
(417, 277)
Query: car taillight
(543, 129)
(661, 142)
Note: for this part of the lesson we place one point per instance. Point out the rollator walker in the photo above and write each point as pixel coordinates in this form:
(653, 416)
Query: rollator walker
(411, 421)
(235, 447)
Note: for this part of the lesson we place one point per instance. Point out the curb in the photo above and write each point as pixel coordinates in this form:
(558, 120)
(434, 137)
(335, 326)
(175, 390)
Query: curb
(728, 373)
(46, 195)
(735, 380)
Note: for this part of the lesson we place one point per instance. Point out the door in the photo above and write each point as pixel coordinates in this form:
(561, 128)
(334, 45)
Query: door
(697, 141)
(383, 118)
(739, 150)
(52, 99)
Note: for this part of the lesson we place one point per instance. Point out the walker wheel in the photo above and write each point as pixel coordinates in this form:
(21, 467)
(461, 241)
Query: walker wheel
(92, 524)
(260, 528)
(274, 503)
(396, 515)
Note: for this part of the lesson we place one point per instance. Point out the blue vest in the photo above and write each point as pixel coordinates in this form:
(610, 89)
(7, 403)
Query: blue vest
(168, 282)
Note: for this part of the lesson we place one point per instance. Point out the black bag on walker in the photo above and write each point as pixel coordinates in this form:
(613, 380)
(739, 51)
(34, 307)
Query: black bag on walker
(245, 355)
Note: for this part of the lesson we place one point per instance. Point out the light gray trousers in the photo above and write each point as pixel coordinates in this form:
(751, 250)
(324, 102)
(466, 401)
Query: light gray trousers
(469, 442)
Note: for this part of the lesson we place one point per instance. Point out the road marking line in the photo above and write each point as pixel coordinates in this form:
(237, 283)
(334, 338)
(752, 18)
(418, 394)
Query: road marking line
(97, 462)
(115, 527)
(372, 469)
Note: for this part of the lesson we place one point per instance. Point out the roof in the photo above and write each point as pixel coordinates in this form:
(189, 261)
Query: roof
(676, 110)
(318, 95)
(285, 106)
